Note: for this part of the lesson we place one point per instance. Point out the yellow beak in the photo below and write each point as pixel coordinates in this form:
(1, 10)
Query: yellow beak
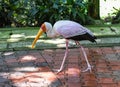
(37, 37)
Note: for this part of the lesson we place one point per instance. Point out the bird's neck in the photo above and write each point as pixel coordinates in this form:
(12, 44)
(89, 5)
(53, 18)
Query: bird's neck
(52, 33)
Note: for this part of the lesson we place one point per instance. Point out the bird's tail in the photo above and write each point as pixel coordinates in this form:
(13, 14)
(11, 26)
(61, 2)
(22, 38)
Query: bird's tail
(95, 39)
(91, 38)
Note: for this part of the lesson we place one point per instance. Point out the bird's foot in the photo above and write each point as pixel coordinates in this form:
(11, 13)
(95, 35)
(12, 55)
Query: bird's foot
(89, 68)
(57, 70)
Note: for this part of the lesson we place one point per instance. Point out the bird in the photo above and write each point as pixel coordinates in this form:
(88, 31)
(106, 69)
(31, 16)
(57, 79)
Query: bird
(69, 30)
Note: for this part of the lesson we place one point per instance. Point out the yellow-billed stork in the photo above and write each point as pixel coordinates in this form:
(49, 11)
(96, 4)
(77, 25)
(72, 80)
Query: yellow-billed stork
(70, 30)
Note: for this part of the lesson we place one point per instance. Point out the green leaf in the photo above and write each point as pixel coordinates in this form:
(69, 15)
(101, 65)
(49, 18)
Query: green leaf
(33, 11)
(55, 6)
(82, 17)
(69, 2)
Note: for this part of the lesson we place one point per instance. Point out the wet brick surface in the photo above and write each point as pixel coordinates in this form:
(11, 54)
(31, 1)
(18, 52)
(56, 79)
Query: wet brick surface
(34, 68)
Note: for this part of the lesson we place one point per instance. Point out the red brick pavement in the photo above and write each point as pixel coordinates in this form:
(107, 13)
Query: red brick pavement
(34, 68)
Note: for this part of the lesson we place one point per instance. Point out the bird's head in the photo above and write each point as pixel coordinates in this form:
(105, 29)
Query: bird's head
(45, 27)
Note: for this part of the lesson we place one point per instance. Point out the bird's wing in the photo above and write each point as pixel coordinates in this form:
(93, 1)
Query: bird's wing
(70, 29)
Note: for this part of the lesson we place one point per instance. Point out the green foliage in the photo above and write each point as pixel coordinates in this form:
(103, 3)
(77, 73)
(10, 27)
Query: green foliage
(116, 18)
(35, 12)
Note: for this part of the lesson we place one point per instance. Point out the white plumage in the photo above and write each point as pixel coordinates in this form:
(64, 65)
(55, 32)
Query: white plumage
(68, 30)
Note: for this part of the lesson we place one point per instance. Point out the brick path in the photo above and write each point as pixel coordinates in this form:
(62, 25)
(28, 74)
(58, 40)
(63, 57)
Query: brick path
(33, 68)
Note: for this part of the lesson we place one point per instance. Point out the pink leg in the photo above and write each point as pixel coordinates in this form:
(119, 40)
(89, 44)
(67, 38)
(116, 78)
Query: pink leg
(65, 56)
(89, 67)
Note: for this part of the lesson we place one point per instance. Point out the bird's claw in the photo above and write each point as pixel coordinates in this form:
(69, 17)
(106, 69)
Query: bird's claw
(57, 70)
(89, 68)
